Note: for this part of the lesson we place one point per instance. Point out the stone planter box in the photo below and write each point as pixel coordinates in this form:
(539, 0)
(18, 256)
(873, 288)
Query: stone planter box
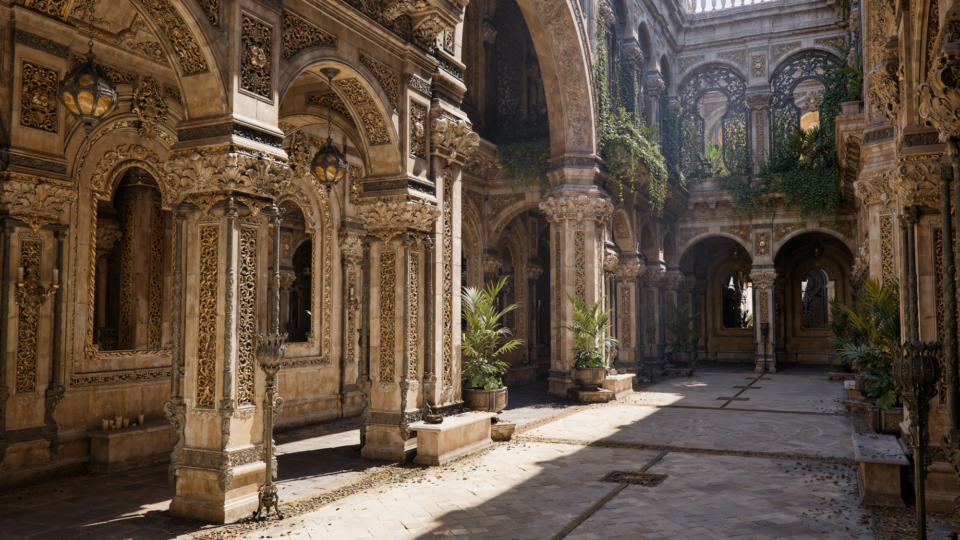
(493, 401)
(620, 385)
(589, 378)
(521, 375)
(886, 421)
(457, 436)
(120, 450)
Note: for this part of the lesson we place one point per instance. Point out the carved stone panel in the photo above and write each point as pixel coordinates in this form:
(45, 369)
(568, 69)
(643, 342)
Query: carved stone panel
(369, 115)
(388, 78)
(886, 248)
(38, 97)
(155, 319)
(207, 331)
(418, 130)
(178, 34)
(448, 320)
(257, 59)
(247, 317)
(388, 315)
(28, 323)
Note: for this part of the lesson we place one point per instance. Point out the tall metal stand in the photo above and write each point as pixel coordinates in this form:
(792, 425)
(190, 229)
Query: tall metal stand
(270, 351)
(916, 370)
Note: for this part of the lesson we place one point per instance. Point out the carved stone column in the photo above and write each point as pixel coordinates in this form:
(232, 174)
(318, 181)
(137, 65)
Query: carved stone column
(671, 294)
(575, 222)
(225, 243)
(764, 328)
(655, 88)
(627, 273)
(395, 350)
(651, 316)
(351, 255)
(759, 103)
(533, 275)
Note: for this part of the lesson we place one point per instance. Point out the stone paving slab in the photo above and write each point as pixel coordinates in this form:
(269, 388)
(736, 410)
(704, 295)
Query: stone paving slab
(733, 497)
(522, 491)
(702, 428)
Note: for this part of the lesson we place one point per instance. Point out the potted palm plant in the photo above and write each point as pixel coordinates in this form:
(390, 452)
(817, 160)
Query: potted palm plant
(483, 371)
(590, 329)
(682, 350)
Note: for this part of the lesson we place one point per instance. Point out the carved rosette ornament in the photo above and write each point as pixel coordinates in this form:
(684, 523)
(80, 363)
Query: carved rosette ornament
(763, 280)
(150, 107)
(452, 139)
(387, 218)
(576, 207)
(491, 267)
(885, 92)
(199, 173)
(940, 98)
(35, 204)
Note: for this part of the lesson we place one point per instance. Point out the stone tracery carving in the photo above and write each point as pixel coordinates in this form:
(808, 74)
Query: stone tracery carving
(28, 318)
(155, 318)
(178, 34)
(388, 78)
(369, 115)
(150, 107)
(300, 34)
(247, 316)
(388, 313)
(38, 97)
(207, 313)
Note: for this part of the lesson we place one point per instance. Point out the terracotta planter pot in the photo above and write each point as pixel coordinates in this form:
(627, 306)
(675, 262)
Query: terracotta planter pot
(589, 377)
(481, 400)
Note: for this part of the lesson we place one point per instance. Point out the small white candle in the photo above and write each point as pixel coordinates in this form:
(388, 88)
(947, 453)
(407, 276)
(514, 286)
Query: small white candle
(56, 275)
(140, 420)
(19, 273)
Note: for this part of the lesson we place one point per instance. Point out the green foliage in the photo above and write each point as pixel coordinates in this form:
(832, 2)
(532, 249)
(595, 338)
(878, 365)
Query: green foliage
(590, 329)
(627, 145)
(483, 368)
(712, 161)
(866, 333)
(525, 165)
(680, 324)
(803, 170)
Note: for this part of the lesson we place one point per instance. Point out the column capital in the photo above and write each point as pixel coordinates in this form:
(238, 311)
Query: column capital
(672, 280)
(350, 248)
(629, 270)
(759, 101)
(763, 279)
(386, 218)
(653, 276)
(491, 267)
(451, 139)
(578, 207)
(534, 272)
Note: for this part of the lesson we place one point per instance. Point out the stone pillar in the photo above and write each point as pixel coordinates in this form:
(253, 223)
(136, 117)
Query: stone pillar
(764, 317)
(652, 296)
(759, 104)
(655, 88)
(628, 288)
(142, 221)
(394, 306)
(220, 463)
(534, 272)
(575, 245)
(351, 255)
(671, 295)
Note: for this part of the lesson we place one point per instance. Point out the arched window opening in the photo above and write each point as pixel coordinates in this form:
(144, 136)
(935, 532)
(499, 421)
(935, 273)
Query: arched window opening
(297, 304)
(133, 236)
(736, 292)
(714, 131)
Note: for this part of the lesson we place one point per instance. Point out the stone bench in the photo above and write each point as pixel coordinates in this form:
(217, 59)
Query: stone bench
(879, 458)
(457, 436)
(620, 385)
(120, 450)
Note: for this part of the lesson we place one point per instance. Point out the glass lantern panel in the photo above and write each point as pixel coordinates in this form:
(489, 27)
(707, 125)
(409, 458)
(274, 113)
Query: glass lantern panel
(85, 101)
(103, 105)
(87, 79)
(70, 103)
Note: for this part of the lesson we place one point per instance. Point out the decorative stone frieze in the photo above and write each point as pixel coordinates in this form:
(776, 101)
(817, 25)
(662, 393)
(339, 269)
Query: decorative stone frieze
(491, 267)
(219, 170)
(36, 204)
(387, 218)
(885, 92)
(576, 207)
(763, 279)
(940, 98)
(917, 182)
(451, 139)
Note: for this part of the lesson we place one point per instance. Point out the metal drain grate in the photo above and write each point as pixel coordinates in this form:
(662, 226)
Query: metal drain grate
(640, 479)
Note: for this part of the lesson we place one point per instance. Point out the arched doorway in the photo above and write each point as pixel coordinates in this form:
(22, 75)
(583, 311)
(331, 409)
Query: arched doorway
(812, 269)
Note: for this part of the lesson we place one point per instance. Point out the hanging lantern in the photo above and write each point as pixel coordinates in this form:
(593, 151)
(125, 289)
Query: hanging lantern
(328, 164)
(87, 91)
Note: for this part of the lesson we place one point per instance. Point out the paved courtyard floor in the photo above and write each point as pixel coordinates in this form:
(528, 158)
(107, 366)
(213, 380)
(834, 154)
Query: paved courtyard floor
(719, 455)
